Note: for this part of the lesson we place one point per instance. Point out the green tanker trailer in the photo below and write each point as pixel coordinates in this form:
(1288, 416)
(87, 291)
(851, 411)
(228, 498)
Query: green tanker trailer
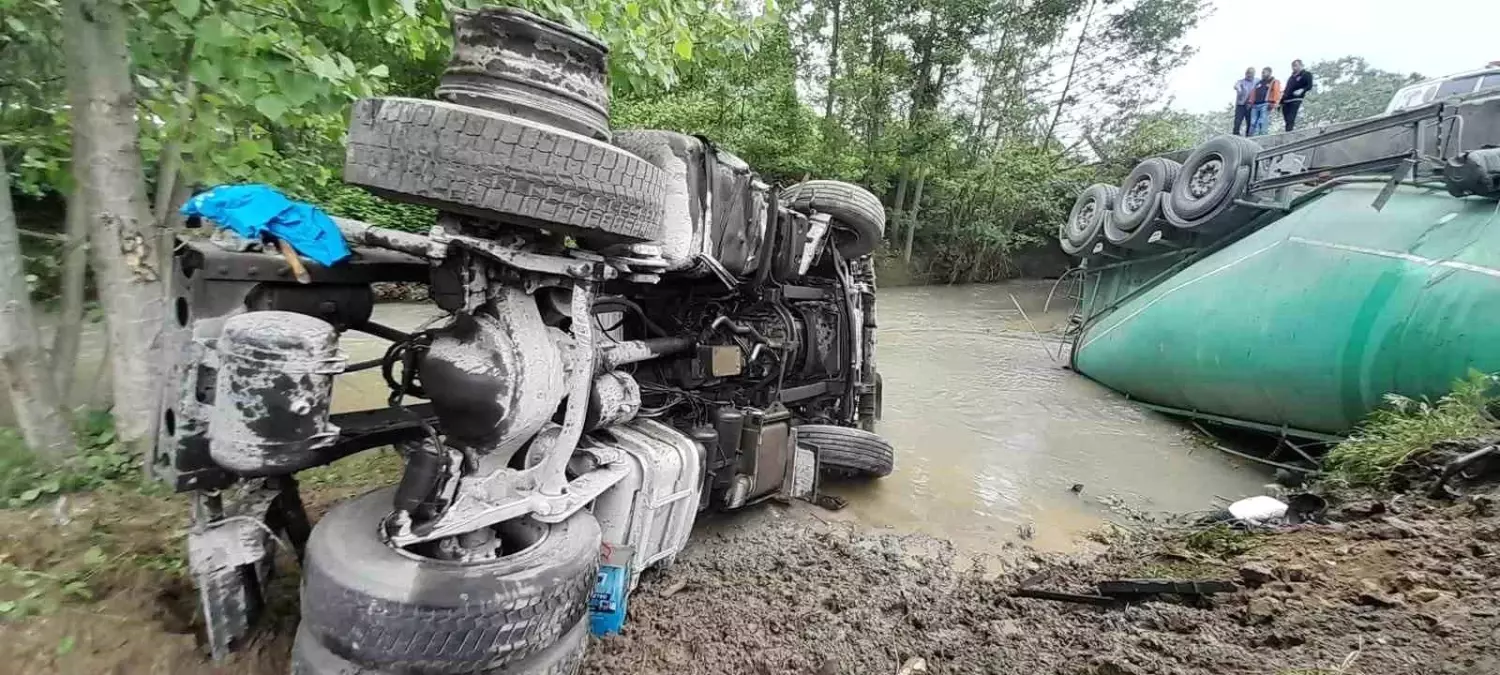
(1288, 283)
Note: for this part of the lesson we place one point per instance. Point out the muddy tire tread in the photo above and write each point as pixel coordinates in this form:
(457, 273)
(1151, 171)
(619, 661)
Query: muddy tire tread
(504, 618)
(494, 166)
(851, 452)
(564, 657)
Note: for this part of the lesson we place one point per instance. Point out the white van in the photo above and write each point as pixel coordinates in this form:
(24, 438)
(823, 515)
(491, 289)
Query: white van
(1460, 84)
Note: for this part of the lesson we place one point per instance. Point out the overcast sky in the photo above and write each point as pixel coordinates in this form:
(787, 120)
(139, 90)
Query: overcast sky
(1434, 38)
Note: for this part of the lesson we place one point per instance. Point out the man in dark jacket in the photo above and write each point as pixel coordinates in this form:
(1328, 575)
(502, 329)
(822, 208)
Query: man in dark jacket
(1297, 87)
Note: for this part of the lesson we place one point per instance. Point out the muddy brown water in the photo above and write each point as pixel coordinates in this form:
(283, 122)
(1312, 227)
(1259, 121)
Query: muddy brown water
(991, 431)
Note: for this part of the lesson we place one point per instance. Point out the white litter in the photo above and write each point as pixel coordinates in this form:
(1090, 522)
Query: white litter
(1258, 510)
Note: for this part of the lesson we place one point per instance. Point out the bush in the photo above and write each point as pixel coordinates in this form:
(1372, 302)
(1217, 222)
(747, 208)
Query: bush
(1406, 428)
(351, 202)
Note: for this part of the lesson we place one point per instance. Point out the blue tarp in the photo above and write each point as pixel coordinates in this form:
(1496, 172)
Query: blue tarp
(255, 211)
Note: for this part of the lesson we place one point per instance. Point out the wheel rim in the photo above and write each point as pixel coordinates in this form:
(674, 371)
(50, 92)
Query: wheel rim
(1205, 177)
(513, 62)
(1136, 196)
(1078, 228)
(513, 537)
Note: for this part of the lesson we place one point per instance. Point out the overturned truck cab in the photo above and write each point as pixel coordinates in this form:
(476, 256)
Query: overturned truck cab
(634, 329)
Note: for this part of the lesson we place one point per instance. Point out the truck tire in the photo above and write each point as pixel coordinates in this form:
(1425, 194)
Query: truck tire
(1085, 222)
(1136, 205)
(379, 607)
(564, 657)
(849, 452)
(498, 167)
(1210, 179)
(858, 216)
(514, 62)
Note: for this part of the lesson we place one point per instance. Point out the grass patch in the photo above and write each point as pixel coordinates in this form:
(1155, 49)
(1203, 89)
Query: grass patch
(371, 468)
(27, 592)
(1405, 428)
(1221, 541)
(26, 479)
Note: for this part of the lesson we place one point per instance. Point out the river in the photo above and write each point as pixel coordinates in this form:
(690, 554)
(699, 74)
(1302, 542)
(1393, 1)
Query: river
(992, 431)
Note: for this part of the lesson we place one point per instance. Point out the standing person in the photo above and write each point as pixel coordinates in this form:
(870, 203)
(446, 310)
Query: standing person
(1242, 90)
(1263, 98)
(1297, 86)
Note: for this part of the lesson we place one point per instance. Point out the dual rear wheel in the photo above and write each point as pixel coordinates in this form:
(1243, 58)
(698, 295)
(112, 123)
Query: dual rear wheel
(1163, 200)
(518, 610)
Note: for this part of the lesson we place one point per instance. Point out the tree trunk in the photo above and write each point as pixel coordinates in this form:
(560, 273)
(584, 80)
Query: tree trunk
(125, 246)
(833, 65)
(895, 234)
(1072, 68)
(922, 84)
(879, 106)
(74, 276)
(23, 365)
(911, 223)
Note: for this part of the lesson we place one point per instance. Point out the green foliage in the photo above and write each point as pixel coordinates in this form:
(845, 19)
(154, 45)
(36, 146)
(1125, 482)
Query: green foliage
(351, 202)
(102, 460)
(747, 104)
(1221, 541)
(1145, 135)
(652, 41)
(993, 208)
(258, 90)
(29, 592)
(969, 93)
(1405, 428)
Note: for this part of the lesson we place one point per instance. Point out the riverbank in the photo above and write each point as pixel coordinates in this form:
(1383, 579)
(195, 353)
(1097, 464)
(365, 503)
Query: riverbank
(1411, 589)
(95, 583)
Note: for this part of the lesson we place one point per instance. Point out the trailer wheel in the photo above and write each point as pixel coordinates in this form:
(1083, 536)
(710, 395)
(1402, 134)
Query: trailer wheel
(1086, 221)
(858, 216)
(310, 657)
(514, 62)
(1212, 177)
(849, 452)
(497, 167)
(380, 607)
(1136, 205)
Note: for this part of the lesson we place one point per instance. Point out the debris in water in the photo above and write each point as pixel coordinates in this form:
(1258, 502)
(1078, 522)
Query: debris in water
(1077, 488)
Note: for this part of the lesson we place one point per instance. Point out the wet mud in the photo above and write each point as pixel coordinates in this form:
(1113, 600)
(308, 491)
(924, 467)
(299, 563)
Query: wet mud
(1412, 589)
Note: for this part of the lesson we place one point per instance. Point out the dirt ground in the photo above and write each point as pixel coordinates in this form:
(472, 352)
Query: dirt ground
(1389, 587)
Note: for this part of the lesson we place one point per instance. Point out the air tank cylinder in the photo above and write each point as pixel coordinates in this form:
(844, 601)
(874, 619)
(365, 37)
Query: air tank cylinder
(272, 392)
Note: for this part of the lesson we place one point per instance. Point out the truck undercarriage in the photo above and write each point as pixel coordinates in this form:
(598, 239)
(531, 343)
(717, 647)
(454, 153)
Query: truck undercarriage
(634, 328)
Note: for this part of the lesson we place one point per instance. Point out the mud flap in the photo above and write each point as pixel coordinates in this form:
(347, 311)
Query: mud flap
(231, 554)
(801, 478)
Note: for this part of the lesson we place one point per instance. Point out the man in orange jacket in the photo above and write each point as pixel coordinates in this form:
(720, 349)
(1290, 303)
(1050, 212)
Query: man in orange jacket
(1265, 97)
